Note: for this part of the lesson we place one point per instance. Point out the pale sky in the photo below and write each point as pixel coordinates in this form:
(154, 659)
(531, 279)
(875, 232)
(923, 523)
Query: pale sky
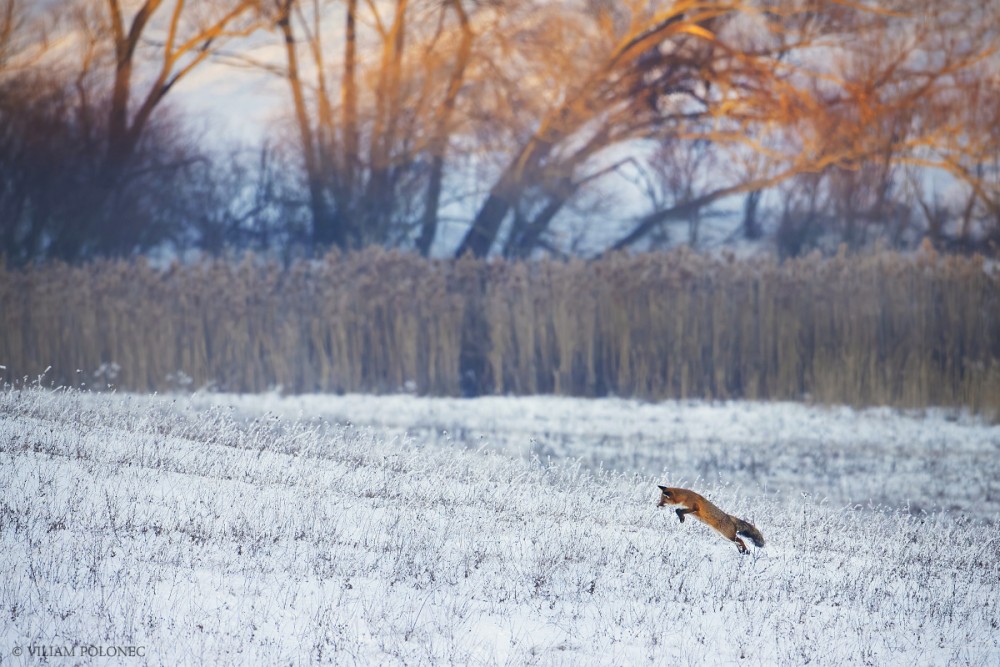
(236, 104)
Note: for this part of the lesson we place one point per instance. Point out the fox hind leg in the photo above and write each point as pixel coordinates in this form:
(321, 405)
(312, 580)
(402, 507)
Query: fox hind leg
(741, 546)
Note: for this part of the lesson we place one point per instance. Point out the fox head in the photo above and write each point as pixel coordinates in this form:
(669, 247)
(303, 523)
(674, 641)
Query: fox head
(666, 497)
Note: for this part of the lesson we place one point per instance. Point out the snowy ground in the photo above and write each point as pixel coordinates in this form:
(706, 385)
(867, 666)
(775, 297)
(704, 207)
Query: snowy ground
(264, 530)
(875, 458)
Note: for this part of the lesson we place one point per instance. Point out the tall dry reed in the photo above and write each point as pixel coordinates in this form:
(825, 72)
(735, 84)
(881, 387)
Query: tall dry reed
(882, 328)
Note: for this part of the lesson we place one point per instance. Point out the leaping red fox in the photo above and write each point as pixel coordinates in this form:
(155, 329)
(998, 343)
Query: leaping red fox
(698, 506)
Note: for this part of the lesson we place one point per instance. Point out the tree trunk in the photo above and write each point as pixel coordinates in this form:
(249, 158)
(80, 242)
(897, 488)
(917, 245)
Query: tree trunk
(429, 220)
(378, 196)
(530, 236)
(439, 144)
(120, 145)
(483, 233)
(751, 225)
(480, 237)
(349, 100)
(326, 231)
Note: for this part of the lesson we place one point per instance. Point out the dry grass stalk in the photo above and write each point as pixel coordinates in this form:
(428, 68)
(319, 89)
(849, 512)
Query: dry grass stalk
(874, 329)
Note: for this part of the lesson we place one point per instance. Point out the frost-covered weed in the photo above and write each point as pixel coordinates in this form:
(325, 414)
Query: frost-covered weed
(878, 458)
(208, 536)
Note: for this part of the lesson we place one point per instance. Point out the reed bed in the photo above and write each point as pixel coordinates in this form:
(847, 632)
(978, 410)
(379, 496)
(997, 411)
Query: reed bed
(880, 328)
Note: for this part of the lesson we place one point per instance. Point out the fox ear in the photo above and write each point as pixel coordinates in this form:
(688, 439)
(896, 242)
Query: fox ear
(662, 488)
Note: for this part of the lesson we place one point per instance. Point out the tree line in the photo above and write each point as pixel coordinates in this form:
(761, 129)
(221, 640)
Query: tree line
(501, 127)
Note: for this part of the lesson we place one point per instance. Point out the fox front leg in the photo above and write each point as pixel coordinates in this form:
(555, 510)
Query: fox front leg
(681, 512)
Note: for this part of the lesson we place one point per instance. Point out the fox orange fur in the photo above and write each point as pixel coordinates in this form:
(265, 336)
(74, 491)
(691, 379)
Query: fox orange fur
(698, 506)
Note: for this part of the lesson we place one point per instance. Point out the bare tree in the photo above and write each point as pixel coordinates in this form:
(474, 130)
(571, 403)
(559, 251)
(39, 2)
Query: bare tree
(374, 133)
(326, 230)
(925, 85)
(185, 41)
(810, 87)
(442, 130)
(523, 112)
(23, 37)
(92, 152)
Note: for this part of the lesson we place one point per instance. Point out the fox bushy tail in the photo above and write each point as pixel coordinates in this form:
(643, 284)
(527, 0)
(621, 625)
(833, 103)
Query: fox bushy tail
(749, 531)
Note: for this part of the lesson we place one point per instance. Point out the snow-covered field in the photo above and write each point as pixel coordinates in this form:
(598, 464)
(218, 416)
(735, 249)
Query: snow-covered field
(219, 529)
